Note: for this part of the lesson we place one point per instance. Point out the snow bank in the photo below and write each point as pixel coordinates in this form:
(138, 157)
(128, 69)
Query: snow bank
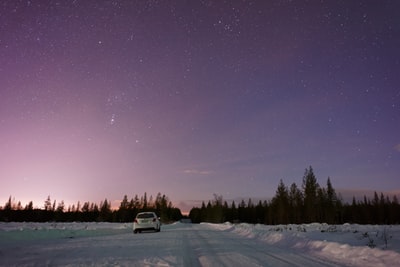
(354, 245)
(38, 231)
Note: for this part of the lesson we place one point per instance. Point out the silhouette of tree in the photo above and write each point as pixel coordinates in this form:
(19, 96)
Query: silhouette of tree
(280, 204)
(47, 204)
(310, 189)
(295, 204)
(105, 211)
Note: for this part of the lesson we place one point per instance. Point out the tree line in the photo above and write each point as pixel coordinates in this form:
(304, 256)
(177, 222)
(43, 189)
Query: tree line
(294, 205)
(91, 212)
(290, 205)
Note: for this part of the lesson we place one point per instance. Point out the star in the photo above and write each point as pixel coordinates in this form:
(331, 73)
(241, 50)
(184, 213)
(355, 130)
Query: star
(112, 120)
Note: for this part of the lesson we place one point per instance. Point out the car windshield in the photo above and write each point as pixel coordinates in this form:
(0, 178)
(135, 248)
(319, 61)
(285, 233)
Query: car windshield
(145, 215)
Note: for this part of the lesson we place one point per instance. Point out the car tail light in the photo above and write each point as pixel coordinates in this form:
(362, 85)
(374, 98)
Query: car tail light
(135, 221)
(154, 219)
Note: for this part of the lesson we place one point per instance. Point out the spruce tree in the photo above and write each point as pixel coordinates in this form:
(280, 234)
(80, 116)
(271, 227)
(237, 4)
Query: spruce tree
(332, 202)
(295, 204)
(310, 189)
(280, 204)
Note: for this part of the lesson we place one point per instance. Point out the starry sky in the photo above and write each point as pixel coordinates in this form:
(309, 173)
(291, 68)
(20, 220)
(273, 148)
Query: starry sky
(99, 99)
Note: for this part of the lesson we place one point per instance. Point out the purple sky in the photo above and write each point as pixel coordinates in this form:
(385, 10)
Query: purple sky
(99, 99)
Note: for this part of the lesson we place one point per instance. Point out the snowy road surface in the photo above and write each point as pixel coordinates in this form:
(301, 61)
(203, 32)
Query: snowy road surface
(176, 245)
(203, 246)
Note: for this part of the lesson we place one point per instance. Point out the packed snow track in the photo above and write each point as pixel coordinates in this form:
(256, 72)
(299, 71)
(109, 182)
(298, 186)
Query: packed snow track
(178, 244)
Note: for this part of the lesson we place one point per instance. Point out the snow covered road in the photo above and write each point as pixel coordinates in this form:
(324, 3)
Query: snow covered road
(91, 244)
(207, 246)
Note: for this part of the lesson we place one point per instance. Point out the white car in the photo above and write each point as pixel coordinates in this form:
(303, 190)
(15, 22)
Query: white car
(146, 221)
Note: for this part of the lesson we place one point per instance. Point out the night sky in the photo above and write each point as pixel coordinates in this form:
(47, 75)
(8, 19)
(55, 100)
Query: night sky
(99, 99)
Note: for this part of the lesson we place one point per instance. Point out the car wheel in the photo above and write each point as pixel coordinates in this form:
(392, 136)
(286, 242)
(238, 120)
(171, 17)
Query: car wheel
(135, 231)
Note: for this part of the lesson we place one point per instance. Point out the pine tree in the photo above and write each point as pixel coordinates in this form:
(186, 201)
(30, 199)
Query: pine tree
(86, 207)
(295, 204)
(310, 189)
(280, 204)
(105, 211)
(8, 205)
(29, 206)
(395, 210)
(78, 206)
(195, 215)
(144, 201)
(235, 214)
(123, 209)
(164, 207)
(333, 202)
(47, 204)
(242, 211)
(60, 206)
(321, 205)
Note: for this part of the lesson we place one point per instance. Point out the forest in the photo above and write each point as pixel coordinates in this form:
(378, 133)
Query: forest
(91, 212)
(290, 205)
(306, 204)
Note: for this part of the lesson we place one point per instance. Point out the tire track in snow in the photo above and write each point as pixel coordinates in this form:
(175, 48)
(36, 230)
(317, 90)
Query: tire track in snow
(266, 255)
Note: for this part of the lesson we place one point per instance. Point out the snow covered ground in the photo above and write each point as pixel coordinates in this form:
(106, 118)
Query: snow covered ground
(114, 244)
